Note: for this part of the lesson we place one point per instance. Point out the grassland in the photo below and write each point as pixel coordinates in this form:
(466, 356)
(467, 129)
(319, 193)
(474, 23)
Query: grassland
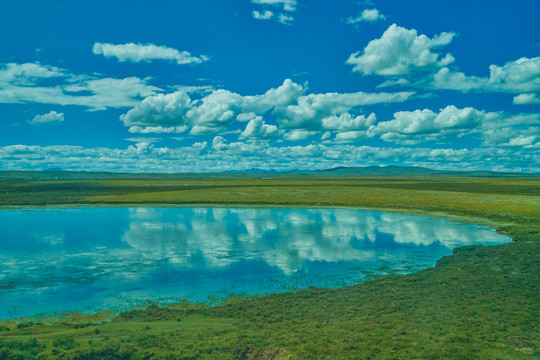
(480, 303)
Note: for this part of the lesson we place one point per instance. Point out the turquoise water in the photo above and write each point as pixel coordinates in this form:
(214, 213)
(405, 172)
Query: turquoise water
(89, 259)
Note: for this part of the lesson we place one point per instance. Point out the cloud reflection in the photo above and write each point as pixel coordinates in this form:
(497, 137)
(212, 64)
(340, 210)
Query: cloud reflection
(285, 238)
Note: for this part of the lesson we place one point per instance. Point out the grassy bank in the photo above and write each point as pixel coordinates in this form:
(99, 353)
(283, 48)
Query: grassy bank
(482, 302)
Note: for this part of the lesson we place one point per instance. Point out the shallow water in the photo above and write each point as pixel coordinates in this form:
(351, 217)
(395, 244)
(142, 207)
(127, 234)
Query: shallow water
(89, 259)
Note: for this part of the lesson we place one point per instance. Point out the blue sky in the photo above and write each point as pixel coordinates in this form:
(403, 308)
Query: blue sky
(209, 85)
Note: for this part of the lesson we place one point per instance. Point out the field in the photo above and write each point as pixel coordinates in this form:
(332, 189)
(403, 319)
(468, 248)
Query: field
(480, 303)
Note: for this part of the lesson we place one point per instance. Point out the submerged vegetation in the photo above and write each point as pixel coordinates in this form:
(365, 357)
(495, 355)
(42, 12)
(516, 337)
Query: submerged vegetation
(482, 302)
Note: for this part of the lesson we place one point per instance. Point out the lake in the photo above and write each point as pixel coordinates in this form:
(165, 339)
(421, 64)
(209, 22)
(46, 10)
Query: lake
(90, 259)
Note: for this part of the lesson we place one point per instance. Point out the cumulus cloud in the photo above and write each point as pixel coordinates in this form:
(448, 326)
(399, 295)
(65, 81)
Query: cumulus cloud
(210, 113)
(285, 19)
(159, 110)
(414, 127)
(258, 129)
(350, 136)
(522, 75)
(222, 107)
(288, 6)
(146, 53)
(245, 151)
(523, 99)
(519, 76)
(401, 51)
(406, 58)
(298, 134)
(143, 140)
(157, 129)
(262, 15)
(292, 109)
(25, 83)
(368, 15)
(528, 137)
(51, 118)
(223, 156)
(503, 129)
(312, 109)
(345, 122)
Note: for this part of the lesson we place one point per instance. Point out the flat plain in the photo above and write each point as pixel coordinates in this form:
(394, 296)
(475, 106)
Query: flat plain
(482, 302)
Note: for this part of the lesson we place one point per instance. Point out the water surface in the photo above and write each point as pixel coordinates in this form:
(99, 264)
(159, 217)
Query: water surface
(88, 259)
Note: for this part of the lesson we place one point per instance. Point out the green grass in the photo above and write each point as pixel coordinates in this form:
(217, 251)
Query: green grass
(480, 303)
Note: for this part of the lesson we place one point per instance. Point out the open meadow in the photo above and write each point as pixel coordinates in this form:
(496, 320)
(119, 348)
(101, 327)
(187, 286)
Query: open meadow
(480, 303)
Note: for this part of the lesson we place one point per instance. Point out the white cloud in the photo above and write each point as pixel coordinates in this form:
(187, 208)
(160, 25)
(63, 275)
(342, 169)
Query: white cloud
(326, 136)
(210, 113)
(522, 75)
(393, 82)
(519, 76)
(414, 127)
(523, 99)
(141, 148)
(157, 129)
(346, 122)
(246, 116)
(285, 19)
(243, 151)
(503, 129)
(192, 89)
(298, 134)
(28, 74)
(23, 83)
(350, 136)
(407, 58)
(286, 5)
(258, 129)
(110, 93)
(222, 107)
(528, 137)
(159, 110)
(282, 18)
(223, 156)
(293, 110)
(311, 109)
(146, 53)
(401, 51)
(51, 118)
(284, 95)
(203, 130)
(454, 80)
(266, 15)
(368, 15)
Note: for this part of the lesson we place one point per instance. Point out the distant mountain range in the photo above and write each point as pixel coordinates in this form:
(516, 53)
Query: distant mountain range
(381, 170)
(340, 171)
